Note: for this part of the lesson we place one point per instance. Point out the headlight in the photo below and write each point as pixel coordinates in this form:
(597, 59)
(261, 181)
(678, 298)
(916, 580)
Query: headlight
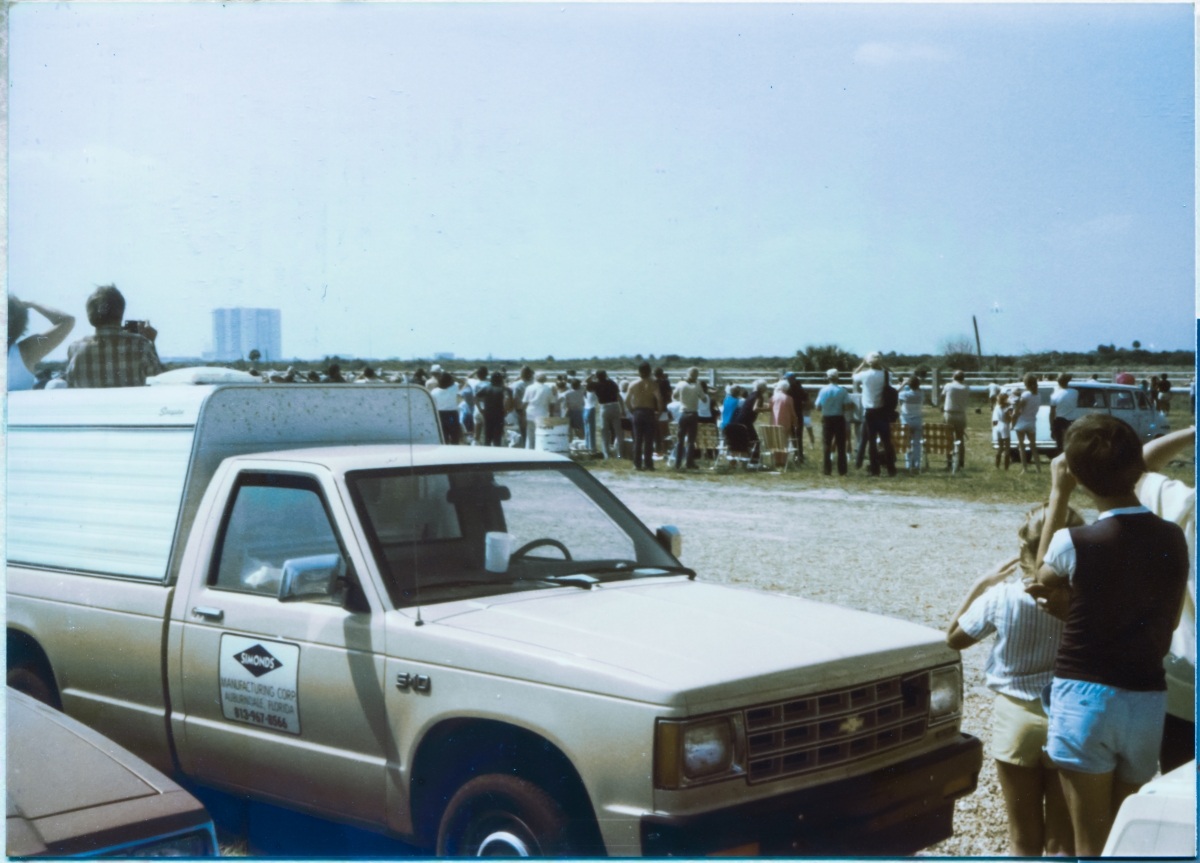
(707, 748)
(687, 753)
(198, 844)
(945, 693)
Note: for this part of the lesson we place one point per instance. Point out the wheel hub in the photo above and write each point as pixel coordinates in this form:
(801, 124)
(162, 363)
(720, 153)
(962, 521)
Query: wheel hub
(501, 843)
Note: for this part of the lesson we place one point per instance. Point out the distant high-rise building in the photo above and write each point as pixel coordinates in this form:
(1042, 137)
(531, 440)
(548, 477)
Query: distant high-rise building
(237, 332)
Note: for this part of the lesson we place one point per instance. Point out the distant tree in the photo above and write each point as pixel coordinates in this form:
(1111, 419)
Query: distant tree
(550, 358)
(1137, 346)
(255, 356)
(818, 358)
(958, 354)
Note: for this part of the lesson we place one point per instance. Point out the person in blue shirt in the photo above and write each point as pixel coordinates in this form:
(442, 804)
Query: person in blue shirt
(730, 405)
(832, 400)
(911, 400)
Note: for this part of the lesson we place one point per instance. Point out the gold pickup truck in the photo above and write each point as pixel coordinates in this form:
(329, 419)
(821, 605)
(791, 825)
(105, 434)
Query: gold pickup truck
(299, 594)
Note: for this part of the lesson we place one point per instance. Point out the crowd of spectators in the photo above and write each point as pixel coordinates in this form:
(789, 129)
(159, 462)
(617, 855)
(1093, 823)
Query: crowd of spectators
(485, 408)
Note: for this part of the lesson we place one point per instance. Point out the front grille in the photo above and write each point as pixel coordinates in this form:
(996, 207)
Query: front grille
(837, 727)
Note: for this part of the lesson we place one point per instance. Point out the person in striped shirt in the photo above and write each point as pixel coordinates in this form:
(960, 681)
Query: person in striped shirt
(112, 357)
(1020, 664)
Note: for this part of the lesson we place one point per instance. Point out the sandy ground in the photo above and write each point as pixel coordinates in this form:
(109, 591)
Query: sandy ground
(907, 557)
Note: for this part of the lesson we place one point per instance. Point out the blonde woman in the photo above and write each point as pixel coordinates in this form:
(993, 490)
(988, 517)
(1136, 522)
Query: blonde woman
(1020, 664)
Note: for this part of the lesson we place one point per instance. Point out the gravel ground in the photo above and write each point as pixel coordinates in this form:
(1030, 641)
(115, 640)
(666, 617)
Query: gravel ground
(907, 557)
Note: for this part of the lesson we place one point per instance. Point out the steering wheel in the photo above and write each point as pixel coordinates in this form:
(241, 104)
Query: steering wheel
(538, 543)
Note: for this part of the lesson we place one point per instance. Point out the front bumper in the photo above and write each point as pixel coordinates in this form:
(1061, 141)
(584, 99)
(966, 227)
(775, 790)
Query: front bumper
(894, 811)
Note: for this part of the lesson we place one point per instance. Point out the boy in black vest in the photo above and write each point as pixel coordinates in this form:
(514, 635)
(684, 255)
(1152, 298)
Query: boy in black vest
(1125, 574)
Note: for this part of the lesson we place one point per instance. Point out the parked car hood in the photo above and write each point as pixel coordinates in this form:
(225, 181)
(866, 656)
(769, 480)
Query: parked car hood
(672, 641)
(72, 791)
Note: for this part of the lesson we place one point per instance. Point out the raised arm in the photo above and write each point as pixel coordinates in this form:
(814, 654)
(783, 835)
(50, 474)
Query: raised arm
(1159, 452)
(955, 637)
(35, 348)
(1062, 483)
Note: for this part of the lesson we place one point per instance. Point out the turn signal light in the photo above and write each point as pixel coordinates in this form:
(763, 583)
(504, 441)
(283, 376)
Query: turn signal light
(955, 785)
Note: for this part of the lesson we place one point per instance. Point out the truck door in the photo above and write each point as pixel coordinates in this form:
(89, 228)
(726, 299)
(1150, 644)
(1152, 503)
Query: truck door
(284, 699)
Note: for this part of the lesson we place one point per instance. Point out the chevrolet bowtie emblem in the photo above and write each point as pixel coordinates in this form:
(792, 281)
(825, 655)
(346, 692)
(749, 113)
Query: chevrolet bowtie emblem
(850, 725)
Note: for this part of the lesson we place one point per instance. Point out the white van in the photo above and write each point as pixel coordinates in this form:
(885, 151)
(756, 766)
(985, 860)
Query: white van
(1130, 403)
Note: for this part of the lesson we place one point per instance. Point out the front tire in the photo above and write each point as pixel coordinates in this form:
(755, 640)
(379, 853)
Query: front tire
(500, 815)
(25, 678)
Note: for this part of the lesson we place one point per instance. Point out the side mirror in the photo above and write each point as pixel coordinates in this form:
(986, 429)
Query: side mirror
(670, 538)
(310, 578)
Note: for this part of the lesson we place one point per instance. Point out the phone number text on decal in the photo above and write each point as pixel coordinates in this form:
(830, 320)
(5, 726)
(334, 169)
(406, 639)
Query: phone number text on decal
(259, 718)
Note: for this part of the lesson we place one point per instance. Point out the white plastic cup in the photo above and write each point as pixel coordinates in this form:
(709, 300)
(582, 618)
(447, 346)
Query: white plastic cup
(498, 548)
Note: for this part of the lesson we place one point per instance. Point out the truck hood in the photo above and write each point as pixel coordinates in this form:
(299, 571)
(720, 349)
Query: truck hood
(691, 644)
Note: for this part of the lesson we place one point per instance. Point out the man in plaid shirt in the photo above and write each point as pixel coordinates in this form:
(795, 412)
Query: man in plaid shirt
(113, 357)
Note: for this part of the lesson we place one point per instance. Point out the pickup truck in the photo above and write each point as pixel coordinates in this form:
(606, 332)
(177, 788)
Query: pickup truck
(300, 595)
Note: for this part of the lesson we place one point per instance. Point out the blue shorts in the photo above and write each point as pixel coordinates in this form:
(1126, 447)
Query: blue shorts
(1100, 729)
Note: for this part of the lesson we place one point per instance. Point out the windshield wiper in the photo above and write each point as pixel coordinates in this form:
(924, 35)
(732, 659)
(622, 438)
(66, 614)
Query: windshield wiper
(570, 580)
(631, 567)
(575, 579)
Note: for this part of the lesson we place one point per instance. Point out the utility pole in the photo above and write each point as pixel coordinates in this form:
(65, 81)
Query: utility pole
(978, 348)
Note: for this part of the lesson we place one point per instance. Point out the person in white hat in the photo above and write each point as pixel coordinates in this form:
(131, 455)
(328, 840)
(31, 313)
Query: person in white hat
(435, 372)
(873, 376)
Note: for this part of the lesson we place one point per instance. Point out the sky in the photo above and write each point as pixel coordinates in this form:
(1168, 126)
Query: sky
(576, 180)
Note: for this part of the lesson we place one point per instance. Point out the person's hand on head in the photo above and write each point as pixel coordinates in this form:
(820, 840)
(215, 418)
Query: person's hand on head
(1058, 603)
(1037, 590)
(1055, 601)
(1061, 477)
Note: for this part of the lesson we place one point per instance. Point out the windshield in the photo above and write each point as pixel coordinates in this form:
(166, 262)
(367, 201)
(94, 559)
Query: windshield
(427, 529)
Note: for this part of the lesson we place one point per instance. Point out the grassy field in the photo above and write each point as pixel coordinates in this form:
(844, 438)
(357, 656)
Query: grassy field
(978, 481)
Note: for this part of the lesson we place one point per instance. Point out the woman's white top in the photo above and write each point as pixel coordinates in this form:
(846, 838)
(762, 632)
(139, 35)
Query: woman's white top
(446, 399)
(704, 406)
(1027, 420)
(590, 400)
(19, 377)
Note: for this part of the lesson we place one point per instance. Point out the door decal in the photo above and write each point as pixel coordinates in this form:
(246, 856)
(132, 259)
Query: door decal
(258, 682)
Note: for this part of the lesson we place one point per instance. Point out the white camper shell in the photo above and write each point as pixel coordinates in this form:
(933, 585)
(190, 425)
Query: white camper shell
(102, 481)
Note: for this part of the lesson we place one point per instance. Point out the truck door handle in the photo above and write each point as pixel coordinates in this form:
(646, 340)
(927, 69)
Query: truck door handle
(208, 612)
